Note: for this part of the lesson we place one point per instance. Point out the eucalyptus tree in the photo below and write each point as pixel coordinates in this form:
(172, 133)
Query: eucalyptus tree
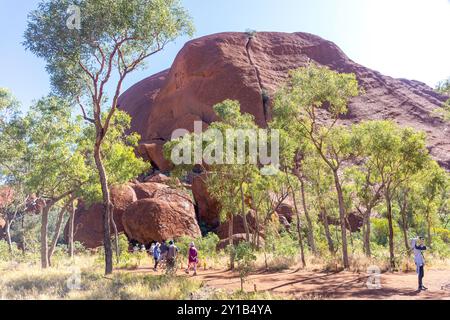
(396, 154)
(56, 167)
(114, 38)
(120, 161)
(12, 148)
(228, 173)
(431, 185)
(321, 189)
(311, 94)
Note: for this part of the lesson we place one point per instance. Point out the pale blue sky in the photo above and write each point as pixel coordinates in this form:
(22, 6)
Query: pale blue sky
(400, 38)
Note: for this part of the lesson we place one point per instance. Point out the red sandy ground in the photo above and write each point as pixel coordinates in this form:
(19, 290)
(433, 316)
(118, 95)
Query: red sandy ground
(299, 284)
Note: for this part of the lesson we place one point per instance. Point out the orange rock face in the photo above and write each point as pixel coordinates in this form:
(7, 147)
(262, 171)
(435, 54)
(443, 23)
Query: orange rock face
(88, 224)
(175, 216)
(168, 215)
(208, 208)
(2, 226)
(250, 69)
(223, 66)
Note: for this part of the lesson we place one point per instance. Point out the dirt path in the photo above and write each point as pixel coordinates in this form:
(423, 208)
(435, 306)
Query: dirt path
(298, 284)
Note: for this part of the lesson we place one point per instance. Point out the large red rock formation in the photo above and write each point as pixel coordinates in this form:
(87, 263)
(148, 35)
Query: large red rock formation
(236, 66)
(250, 69)
(168, 215)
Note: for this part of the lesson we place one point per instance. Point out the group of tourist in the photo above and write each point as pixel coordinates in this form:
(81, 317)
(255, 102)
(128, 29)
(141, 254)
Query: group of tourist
(168, 252)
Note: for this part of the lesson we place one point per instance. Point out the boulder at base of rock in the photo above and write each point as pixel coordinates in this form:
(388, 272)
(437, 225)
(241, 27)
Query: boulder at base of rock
(148, 189)
(238, 226)
(88, 224)
(2, 226)
(353, 224)
(285, 210)
(169, 215)
(6, 196)
(237, 238)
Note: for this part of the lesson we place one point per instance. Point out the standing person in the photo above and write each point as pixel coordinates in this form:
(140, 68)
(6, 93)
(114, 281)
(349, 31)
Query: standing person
(192, 259)
(152, 247)
(164, 249)
(156, 255)
(419, 247)
(171, 255)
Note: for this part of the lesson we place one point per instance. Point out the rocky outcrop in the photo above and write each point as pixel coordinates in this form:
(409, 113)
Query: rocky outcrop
(250, 68)
(353, 223)
(237, 238)
(168, 215)
(208, 207)
(238, 226)
(2, 228)
(88, 224)
(175, 214)
(6, 196)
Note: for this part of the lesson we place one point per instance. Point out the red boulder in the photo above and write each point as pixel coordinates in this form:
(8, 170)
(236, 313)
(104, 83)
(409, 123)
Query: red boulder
(168, 215)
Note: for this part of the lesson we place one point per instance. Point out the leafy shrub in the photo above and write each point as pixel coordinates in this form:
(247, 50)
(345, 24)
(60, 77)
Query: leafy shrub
(206, 246)
(244, 257)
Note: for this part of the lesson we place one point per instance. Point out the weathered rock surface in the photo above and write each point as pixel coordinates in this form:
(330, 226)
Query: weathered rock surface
(88, 224)
(168, 215)
(238, 226)
(237, 238)
(223, 66)
(2, 228)
(208, 207)
(175, 216)
(148, 189)
(235, 66)
(6, 196)
(354, 222)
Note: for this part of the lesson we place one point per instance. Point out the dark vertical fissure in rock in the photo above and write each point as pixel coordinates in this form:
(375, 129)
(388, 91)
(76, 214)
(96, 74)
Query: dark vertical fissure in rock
(264, 95)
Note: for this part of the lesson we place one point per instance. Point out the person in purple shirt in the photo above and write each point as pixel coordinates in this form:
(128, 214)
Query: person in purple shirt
(192, 259)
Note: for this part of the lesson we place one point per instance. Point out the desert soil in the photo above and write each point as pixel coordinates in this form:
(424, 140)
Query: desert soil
(300, 284)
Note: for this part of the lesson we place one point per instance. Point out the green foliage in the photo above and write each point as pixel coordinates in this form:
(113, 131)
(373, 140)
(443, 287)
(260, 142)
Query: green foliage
(245, 257)
(443, 87)
(137, 28)
(118, 152)
(206, 246)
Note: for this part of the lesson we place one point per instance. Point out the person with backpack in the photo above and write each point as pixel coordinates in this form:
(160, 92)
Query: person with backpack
(164, 249)
(172, 252)
(192, 258)
(418, 248)
(156, 255)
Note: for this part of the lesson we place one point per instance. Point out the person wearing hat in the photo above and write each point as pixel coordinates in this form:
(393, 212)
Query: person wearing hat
(192, 259)
(418, 248)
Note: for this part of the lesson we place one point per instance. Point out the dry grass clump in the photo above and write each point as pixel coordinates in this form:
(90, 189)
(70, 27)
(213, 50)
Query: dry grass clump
(28, 282)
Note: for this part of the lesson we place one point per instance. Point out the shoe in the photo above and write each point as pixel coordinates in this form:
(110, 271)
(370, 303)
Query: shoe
(187, 271)
(424, 288)
(195, 273)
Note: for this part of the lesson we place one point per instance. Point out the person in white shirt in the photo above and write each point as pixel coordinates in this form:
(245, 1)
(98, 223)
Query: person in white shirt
(418, 248)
